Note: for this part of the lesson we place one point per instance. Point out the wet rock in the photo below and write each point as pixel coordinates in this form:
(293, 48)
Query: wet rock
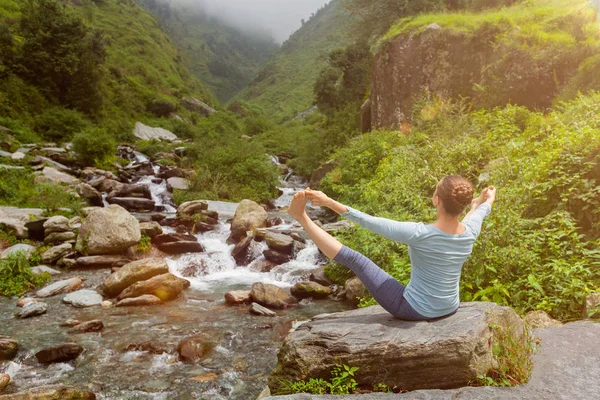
(35, 229)
(319, 173)
(107, 185)
(171, 237)
(106, 304)
(165, 287)
(52, 175)
(102, 261)
(181, 247)
(134, 191)
(203, 227)
(150, 229)
(277, 257)
(64, 286)
(22, 302)
(591, 307)
(197, 106)
(196, 348)
(280, 242)
(263, 265)
(446, 353)
(297, 237)
(257, 309)
(51, 392)
(133, 272)
(8, 348)
(70, 323)
(32, 309)
(90, 193)
(539, 319)
(274, 221)
(108, 230)
(319, 276)
(53, 254)
(238, 296)
(83, 298)
(248, 216)
(303, 290)
(179, 183)
(240, 251)
(354, 289)
(59, 353)
(21, 247)
(43, 269)
(145, 300)
(205, 377)
(192, 207)
(133, 203)
(59, 237)
(89, 326)
(150, 347)
(271, 296)
(145, 132)
(4, 381)
(171, 173)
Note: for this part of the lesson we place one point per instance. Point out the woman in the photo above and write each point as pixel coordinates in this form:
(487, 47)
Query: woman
(437, 251)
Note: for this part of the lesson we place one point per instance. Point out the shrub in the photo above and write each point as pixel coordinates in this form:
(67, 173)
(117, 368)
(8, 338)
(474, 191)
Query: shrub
(342, 382)
(94, 147)
(145, 245)
(59, 124)
(161, 108)
(16, 277)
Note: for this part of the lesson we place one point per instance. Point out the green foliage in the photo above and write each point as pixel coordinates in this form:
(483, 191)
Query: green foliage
(538, 248)
(161, 108)
(59, 124)
(342, 382)
(16, 277)
(381, 387)
(94, 147)
(145, 244)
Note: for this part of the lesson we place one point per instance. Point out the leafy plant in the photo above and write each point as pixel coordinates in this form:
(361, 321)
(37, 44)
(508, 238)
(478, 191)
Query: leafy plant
(95, 147)
(16, 277)
(342, 382)
(145, 244)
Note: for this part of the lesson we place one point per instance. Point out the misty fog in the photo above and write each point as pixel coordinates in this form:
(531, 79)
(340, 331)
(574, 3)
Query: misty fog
(280, 17)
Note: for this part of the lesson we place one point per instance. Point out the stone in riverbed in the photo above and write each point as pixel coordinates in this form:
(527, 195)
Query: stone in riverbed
(441, 354)
(354, 289)
(172, 237)
(248, 216)
(58, 353)
(53, 254)
(51, 392)
(133, 272)
(182, 247)
(4, 381)
(145, 300)
(43, 269)
(64, 286)
(90, 193)
(196, 348)
(319, 276)
(303, 290)
(240, 251)
(192, 207)
(57, 223)
(257, 309)
(8, 348)
(89, 326)
(280, 242)
(102, 261)
(133, 203)
(237, 296)
(83, 298)
(165, 287)
(27, 248)
(32, 309)
(277, 257)
(23, 302)
(179, 183)
(109, 230)
(150, 229)
(59, 237)
(271, 296)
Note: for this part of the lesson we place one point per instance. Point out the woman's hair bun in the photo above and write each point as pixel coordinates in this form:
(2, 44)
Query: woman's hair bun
(456, 193)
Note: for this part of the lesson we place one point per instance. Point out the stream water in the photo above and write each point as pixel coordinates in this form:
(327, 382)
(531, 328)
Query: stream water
(245, 346)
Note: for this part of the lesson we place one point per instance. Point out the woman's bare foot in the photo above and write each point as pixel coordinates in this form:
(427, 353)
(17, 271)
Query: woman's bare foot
(298, 206)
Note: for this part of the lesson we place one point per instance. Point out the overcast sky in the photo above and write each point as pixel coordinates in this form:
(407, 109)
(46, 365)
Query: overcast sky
(281, 17)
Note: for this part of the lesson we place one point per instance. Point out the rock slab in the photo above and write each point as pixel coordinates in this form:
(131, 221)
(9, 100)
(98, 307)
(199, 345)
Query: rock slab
(59, 352)
(64, 286)
(165, 287)
(109, 230)
(442, 354)
(133, 272)
(32, 310)
(83, 298)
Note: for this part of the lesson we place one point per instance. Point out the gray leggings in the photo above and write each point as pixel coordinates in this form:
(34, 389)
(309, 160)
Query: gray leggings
(387, 291)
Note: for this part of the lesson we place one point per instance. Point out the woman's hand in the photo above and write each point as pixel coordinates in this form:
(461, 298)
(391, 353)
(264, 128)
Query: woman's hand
(318, 198)
(490, 195)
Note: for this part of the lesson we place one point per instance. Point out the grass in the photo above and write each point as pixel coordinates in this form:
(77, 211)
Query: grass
(16, 277)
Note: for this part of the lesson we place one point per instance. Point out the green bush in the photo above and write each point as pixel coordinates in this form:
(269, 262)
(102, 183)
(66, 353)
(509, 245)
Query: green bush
(161, 108)
(342, 382)
(59, 124)
(95, 147)
(16, 277)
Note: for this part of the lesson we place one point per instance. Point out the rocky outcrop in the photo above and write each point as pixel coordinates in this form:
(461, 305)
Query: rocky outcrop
(249, 215)
(108, 230)
(52, 175)
(271, 296)
(88, 192)
(51, 392)
(133, 272)
(165, 287)
(442, 354)
(197, 106)
(145, 132)
(319, 173)
(58, 353)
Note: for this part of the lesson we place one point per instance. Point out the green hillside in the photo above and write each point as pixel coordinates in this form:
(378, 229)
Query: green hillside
(283, 87)
(224, 58)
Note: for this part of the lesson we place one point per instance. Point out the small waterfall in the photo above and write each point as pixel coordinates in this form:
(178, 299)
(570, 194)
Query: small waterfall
(158, 191)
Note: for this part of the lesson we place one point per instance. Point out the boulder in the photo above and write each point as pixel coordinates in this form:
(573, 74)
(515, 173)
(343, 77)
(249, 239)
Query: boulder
(277, 257)
(319, 173)
(539, 319)
(238, 296)
(171, 173)
(303, 290)
(240, 251)
(354, 289)
(4, 381)
(59, 237)
(20, 247)
(43, 269)
(197, 106)
(257, 309)
(88, 192)
(85, 211)
(196, 348)
(145, 132)
(271, 296)
(319, 276)
(179, 183)
(105, 185)
(17, 155)
(280, 242)
(442, 354)
(53, 254)
(150, 229)
(32, 309)
(172, 237)
(133, 272)
(136, 191)
(89, 326)
(165, 287)
(182, 247)
(83, 298)
(64, 286)
(192, 207)
(248, 216)
(52, 175)
(591, 307)
(338, 226)
(136, 204)
(108, 230)
(14, 226)
(144, 300)
(8, 348)
(59, 353)
(57, 223)
(102, 261)
(51, 392)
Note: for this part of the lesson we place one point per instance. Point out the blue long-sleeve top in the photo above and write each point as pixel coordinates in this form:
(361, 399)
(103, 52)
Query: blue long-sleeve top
(436, 257)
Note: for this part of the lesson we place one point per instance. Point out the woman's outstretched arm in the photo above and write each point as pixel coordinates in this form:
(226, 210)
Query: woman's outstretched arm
(399, 231)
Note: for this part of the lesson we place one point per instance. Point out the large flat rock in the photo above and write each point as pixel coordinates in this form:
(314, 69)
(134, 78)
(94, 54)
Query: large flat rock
(442, 354)
(567, 366)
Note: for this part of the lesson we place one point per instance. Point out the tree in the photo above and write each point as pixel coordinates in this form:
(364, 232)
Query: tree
(61, 55)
